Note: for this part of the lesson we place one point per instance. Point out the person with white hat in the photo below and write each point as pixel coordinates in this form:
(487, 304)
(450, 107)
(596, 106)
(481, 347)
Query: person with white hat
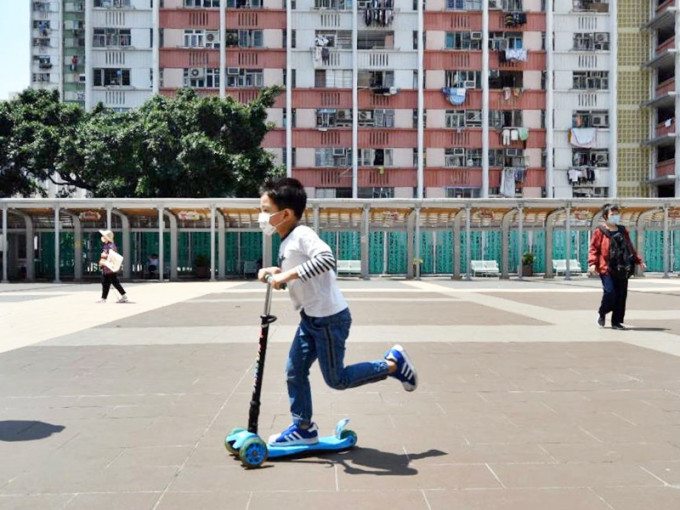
(109, 276)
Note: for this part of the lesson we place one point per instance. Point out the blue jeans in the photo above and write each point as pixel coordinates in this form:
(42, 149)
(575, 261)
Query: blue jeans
(323, 338)
(614, 297)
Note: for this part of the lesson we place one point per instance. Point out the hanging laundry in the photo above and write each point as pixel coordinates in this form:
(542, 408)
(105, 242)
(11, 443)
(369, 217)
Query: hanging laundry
(516, 54)
(523, 133)
(505, 136)
(456, 96)
(583, 137)
(514, 135)
(325, 55)
(574, 175)
(508, 182)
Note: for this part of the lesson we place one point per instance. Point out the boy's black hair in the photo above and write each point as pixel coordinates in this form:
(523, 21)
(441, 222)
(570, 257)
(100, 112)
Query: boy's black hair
(608, 208)
(286, 193)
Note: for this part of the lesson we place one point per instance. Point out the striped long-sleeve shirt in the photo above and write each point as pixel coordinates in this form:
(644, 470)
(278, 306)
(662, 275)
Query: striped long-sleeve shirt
(315, 291)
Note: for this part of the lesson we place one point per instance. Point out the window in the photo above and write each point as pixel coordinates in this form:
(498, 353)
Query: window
(464, 5)
(202, 3)
(505, 118)
(333, 157)
(464, 79)
(590, 157)
(106, 77)
(375, 192)
(107, 4)
(332, 117)
(376, 79)
(591, 80)
(333, 4)
(597, 41)
(460, 157)
(200, 78)
(245, 78)
(463, 192)
(373, 157)
(194, 38)
(243, 4)
(594, 118)
(501, 41)
(41, 77)
(107, 37)
(464, 40)
(250, 38)
(455, 118)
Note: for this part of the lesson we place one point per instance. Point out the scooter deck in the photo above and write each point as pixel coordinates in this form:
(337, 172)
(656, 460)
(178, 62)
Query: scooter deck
(328, 443)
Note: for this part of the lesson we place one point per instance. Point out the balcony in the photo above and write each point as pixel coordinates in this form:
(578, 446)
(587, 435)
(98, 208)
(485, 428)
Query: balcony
(536, 61)
(509, 99)
(665, 95)
(472, 21)
(325, 177)
(664, 135)
(665, 169)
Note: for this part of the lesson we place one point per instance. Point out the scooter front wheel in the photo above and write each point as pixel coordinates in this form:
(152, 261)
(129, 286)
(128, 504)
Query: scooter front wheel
(229, 445)
(253, 452)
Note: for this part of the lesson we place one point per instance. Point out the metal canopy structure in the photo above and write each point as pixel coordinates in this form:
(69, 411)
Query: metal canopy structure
(461, 217)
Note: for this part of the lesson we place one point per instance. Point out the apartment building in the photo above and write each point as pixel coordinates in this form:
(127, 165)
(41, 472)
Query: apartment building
(658, 32)
(396, 98)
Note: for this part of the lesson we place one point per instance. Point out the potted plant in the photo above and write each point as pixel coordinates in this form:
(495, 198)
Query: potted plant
(528, 264)
(202, 266)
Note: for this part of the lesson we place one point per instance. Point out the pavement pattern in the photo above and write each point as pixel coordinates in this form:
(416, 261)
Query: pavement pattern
(524, 402)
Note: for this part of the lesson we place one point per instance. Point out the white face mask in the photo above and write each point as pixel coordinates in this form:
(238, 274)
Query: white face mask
(615, 219)
(263, 219)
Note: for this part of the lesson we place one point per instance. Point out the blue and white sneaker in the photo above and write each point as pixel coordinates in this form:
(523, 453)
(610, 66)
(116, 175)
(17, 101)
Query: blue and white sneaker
(406, 371)
(295, 435)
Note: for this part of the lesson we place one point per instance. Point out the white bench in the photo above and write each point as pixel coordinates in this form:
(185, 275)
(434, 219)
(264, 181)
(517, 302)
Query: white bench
(348, 267)
(484, 268)
(560, 266)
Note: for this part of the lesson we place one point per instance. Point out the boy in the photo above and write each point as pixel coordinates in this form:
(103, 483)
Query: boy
(307, 266)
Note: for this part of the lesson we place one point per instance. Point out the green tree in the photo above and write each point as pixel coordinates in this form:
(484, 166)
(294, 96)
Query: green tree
(185, 146)
(32, 127)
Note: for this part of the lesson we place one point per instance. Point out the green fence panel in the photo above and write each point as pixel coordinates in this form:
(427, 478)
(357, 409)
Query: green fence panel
(427, 247)
(444, 252)
(376, 252)
(653, 250)
(397, 253)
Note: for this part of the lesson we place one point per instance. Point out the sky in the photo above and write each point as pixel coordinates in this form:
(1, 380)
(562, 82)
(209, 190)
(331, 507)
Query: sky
(14, 46)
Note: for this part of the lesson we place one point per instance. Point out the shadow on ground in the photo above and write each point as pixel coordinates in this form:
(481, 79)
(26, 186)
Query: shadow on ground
(24, 430)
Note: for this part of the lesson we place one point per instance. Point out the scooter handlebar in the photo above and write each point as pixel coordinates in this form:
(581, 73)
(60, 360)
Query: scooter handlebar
(268, 281)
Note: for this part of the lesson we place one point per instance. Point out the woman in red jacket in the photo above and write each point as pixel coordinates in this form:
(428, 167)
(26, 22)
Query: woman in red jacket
(615, 288)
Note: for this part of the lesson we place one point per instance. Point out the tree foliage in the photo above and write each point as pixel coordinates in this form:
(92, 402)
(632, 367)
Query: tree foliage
(184, 146)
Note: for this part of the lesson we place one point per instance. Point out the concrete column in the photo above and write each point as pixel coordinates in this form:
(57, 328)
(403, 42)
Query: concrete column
(173, 245)
(127, 245)
(420, 179)
(567, 272)
(223, 50)
(289, 97)
(89, 32)
(365, 216)
(520, 240)
(549, 101)
(221, 246)
(212, 243)
(156, 50)
(161, 255)
(4, 245)
(468, 240)
(485, 104)
(57, 228)
(614, 104)
(355, 102)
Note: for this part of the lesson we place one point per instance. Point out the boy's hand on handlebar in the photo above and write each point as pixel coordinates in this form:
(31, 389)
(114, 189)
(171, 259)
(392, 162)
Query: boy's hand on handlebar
(266, 271)
(277, 281)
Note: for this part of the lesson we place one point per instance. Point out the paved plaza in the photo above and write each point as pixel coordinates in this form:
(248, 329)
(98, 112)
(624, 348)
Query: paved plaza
(524, 402)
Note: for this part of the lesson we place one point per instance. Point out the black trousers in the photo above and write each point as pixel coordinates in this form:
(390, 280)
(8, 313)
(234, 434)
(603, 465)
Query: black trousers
(615, 293)
(107, 281)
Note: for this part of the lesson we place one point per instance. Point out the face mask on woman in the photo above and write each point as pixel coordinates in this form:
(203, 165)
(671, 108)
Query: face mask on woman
(614, 219)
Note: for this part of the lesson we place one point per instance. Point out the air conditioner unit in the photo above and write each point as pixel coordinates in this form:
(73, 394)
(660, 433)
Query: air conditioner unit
(476, 36)
(513, 152)
(196, 73)
(212, 37)
(366, 115)
(602, 159)
(469, 84)
(600, 120)
(81, 78)
(339, 152)
(601, 37)
(232, 71)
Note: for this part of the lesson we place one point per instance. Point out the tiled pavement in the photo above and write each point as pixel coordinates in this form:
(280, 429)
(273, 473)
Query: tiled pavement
(524, 403)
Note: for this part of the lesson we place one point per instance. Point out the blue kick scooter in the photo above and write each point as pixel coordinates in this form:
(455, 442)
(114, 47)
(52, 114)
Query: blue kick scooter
(246, 444)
